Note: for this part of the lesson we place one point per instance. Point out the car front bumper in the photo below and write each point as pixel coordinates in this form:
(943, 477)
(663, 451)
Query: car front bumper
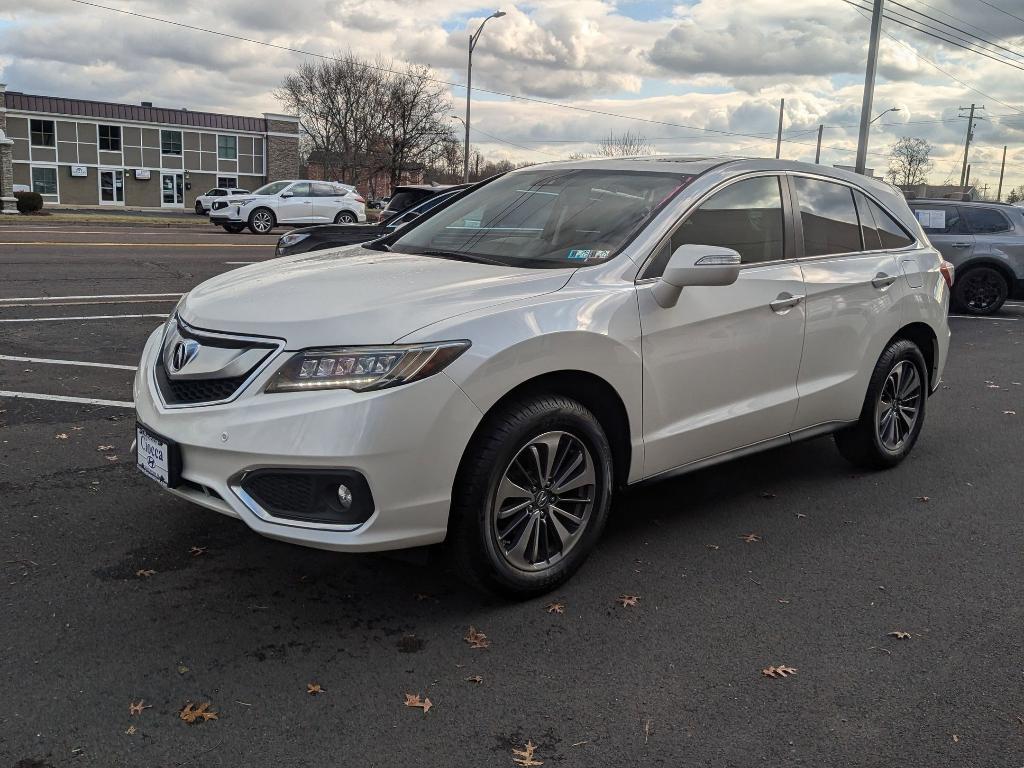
(406, 442)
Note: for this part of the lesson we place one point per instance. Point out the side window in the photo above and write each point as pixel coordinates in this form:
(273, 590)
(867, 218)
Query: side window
(869, 231)
(300, 190)
(889, 231)
(745, 216)
(985, 221)
(828, 216)
(323, 190)
(940, 219)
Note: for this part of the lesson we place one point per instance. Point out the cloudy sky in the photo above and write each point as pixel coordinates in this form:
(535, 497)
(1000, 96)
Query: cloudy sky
(699, 72)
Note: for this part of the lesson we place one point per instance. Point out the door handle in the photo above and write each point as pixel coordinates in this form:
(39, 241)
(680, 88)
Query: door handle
(961, 245)
(784, 302)
(883, 281)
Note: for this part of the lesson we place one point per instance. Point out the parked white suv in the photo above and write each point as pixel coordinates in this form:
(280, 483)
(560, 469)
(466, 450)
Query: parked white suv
(299, 202)
(488, 375)
(205, 201)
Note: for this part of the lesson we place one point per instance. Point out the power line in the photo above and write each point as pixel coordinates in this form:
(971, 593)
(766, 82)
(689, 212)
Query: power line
(954, 18)
(890, 17)
(955, 28)
(996, 7)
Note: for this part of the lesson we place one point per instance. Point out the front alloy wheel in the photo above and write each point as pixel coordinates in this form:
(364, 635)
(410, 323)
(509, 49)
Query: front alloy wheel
(261, 221)
(544, 501)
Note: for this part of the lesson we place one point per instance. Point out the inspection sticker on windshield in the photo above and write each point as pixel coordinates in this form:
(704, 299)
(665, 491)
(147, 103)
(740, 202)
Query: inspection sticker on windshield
(931, 218)
(586, 254)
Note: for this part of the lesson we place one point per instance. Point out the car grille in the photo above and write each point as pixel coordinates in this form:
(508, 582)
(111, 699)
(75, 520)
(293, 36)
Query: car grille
(216, 389)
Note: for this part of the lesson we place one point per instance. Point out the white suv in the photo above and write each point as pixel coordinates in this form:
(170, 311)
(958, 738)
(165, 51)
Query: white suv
(489, 375)
(205, 201)
(300, 202)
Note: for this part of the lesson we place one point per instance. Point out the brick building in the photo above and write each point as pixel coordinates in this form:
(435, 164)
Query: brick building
(372, 181)
(92, 153)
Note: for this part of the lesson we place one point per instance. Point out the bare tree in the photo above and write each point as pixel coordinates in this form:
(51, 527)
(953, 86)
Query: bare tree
(909, 161)
(626, 144)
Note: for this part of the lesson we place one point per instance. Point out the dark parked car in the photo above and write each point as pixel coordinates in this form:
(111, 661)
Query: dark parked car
(985, 241)
(336, 235)
(406, 196)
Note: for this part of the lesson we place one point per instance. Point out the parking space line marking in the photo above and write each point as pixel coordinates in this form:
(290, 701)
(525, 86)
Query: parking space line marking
(90, 303)
(83, 317)
(66, 399)
(96, 296)
(48, 243)
(241, 262)
(990, 319)
(50, 361)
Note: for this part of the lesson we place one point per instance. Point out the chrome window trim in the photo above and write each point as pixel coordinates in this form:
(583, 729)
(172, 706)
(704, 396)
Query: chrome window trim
(273, 353)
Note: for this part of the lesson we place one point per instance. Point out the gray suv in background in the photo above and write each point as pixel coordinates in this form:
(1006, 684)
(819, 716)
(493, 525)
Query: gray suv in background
(985, 241)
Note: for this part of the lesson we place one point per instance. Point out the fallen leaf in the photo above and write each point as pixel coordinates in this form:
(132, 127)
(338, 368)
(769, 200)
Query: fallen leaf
(414, 700)
(627, 601)
(800, 514)
(956, 739)
(766, 495)
(182, 669)
(647, 729)
(525, 756)
(924, 498)
(61, 436)
(711, 546)
(314, 688)
(131, 730)
(136, 707)
(104, 447)
(474, 679)
(477, 639)
(197, 551)
(900, 635)
(993, 386)
(192, 714)
(76, 429)
(779, 671)
(111, 457)
(1009, 413)
(784, 602)
(555, 608)
(420, 596)
(145, 573)
(750, 538)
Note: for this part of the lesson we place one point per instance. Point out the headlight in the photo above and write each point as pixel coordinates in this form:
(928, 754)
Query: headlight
(243, 201)
(287, 241)
(364, 368)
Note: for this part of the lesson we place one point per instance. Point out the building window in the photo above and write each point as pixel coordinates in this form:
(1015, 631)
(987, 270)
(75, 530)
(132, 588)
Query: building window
(227, 182)
(110, 138)
(44, 180)
(43, 133)
(170, 142)
(227, 147)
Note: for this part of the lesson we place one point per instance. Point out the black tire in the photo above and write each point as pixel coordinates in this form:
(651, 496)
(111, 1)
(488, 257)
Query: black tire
(345, 217)
(262, 221)
(980, 291)
(863, 444)
(200, 211)
(234, 229)
(472, 541)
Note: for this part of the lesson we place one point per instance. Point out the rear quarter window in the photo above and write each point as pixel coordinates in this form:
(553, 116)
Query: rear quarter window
(986, 221)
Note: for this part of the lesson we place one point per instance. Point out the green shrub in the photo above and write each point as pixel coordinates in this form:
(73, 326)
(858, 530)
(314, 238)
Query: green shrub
(29, 202)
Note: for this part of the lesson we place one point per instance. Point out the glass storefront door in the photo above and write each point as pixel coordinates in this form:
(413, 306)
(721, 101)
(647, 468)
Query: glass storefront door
(111, 187)
(172, 190)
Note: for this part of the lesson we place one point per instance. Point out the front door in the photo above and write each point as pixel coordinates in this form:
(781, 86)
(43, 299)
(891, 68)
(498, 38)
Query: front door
(720, 366)
(111, 187)
(172, 190)
(296, 206)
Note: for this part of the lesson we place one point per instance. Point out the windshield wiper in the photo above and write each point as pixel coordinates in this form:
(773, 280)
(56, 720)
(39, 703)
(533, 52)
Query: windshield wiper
(461, 256)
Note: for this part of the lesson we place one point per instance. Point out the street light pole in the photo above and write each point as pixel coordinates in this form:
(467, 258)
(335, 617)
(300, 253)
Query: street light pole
(869, 87)
(469, 90)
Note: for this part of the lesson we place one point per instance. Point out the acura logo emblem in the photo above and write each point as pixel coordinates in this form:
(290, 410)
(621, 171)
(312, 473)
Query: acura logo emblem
(183, 354)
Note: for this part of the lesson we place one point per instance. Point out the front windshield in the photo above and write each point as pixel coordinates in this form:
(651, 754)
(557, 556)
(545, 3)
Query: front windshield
(272, 188)
(545, 218)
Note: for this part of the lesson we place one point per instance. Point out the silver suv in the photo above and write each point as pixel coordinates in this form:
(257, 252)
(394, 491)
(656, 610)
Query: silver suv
(985, 241)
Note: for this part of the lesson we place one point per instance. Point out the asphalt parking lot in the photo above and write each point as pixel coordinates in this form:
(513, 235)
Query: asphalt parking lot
(113, 592)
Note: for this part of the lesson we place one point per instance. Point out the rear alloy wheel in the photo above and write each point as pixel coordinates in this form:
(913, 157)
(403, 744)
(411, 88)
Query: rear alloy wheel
(980, 291)
(893, 411)
(345, 217)
(200, 211)
(532, 496)
(261, 221)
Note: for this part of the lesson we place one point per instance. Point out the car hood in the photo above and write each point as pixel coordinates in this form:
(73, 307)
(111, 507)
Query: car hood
(355, 295)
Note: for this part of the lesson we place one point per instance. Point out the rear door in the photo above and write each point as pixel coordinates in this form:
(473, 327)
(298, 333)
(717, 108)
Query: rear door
(720, 367)
(853, 295)
(944, 224)
(328, 200)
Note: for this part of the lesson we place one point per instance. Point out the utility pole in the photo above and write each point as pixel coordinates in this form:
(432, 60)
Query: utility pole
(999, 190)
(778, 141)
(869, 87)
(817, 151)
(967, 144)
(967, 182)
(473, 39)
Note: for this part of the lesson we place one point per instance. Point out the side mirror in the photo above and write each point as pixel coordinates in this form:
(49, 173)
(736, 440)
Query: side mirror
(287, 194)
(696, 265)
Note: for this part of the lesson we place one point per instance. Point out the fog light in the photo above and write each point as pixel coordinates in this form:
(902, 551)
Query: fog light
(344, 496)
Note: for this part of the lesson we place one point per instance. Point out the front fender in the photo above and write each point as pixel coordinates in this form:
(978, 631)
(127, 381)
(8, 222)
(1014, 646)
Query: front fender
(596, 331)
